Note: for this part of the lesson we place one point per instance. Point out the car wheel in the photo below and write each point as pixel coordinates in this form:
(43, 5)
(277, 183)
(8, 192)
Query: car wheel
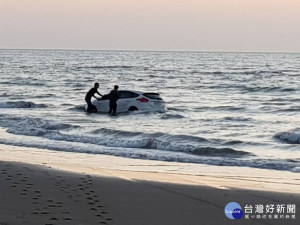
(133, 108)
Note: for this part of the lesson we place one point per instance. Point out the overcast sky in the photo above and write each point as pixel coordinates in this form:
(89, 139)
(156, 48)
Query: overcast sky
(191, 25)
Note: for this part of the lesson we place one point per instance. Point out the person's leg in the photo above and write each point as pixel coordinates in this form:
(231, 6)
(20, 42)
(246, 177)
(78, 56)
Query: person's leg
(93, 108)
(114, 109)
(110, 108)
(90, 106)
(89, 103)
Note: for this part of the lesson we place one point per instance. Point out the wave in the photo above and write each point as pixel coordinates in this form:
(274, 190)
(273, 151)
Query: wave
(237, 119)
(270, 72)
(218, 151)
(290, 109)
(176, 109)
(230, 108)
(165, 71)
(154, 146)
(235, 142)
(209, 72)
(4, 94)
(288, 137)
(79, 85)
(273, 164)
(242, 71)
(21, 104)
(118, 138)
(80, 108)
(153, 76)
(142, 142)
(253, 89)
(220, 108)
(158, 135)
(105, 67)
(112, 132)
(171, 116)
(44, 96)
(31, 126)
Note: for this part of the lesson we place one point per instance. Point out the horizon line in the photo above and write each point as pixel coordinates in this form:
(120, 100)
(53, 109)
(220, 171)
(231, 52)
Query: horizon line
(145, 50)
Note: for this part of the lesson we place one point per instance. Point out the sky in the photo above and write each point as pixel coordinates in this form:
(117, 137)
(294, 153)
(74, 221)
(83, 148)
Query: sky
(157, 25)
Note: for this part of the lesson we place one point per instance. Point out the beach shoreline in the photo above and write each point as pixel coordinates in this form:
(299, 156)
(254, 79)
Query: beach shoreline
(47, 187)
(221, 177)
(36, 194)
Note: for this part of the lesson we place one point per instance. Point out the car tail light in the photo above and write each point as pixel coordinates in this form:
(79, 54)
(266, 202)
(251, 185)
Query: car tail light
(143, 100)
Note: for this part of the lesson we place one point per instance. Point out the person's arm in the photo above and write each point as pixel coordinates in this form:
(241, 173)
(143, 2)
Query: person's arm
(99, 93)
(96, 97)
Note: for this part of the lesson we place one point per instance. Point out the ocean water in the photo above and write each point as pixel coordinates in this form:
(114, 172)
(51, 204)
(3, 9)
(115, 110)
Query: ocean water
(225, 109)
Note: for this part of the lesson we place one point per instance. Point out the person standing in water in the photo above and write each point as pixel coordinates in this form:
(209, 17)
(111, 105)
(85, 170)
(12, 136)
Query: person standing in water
(113, 98)
(88, 98)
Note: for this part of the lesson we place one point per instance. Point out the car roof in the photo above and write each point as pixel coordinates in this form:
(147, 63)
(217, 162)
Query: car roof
(137, 92)
(140, 92)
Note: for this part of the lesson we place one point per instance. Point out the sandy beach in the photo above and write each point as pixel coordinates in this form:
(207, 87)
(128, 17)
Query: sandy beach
(47, 187)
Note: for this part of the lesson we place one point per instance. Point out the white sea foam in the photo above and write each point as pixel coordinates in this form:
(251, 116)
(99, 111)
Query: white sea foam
(78, 147)
(117, 138)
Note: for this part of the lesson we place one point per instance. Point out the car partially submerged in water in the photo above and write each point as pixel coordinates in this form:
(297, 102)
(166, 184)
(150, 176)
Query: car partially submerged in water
(133, 101)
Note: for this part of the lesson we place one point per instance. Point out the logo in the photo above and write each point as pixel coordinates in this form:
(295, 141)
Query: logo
(233, 211)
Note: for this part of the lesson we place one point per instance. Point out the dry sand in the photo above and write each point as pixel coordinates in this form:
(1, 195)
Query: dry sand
(38, 194)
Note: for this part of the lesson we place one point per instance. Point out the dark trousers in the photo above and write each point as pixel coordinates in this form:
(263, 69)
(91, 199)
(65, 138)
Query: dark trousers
(112, 108)
(90, 106)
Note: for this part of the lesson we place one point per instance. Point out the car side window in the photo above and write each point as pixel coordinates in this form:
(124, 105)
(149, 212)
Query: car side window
(153, 96)
(134, 95)
(127, 94)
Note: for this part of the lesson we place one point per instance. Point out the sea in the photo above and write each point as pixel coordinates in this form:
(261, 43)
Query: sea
(223, 109)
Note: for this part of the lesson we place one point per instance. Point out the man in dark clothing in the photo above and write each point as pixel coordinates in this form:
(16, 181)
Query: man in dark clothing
(113, 97)
(88, 98)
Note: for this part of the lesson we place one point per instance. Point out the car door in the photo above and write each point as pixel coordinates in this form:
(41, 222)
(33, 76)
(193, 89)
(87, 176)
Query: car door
(124, 101)
(104, 105)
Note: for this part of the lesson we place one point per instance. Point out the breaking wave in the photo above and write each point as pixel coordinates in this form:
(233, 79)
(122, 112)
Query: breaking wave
(167, 116)
(288, 137)
(117, 138)
(79, 108)
(275, 164)
(21, 104)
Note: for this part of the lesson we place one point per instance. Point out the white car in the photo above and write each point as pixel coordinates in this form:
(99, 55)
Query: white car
(133, 101)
